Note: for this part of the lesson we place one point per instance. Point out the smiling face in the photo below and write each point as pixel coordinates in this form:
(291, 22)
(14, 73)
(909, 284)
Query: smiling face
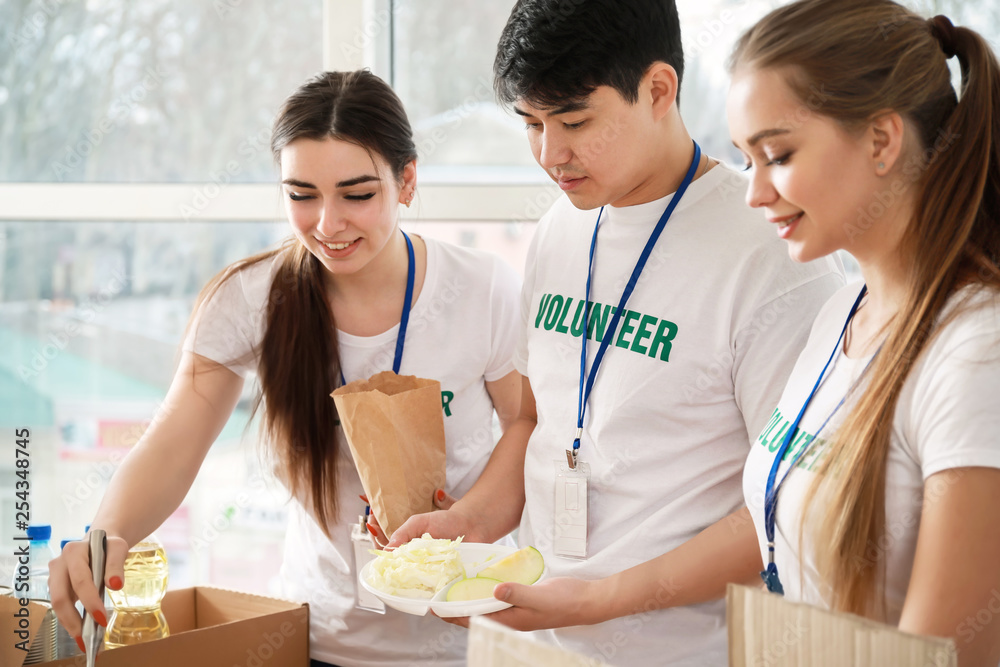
(597, 149)
(814, 179)
(341, 202)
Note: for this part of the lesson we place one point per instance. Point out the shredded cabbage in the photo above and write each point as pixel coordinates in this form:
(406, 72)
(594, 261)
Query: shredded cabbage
(418, 569)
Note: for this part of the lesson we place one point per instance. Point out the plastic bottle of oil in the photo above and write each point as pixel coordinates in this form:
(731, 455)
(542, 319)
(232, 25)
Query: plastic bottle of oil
(137, 617)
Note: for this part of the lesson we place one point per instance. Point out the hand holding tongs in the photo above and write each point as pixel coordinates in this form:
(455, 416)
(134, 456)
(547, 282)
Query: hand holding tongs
(93, 633)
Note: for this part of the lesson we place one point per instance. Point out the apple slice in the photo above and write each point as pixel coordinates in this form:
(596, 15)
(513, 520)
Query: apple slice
(473, 588)
(521, 567)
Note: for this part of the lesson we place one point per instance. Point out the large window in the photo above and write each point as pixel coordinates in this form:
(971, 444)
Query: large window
(89, 327)
(130, 135)
(148, 92)
(450, 100)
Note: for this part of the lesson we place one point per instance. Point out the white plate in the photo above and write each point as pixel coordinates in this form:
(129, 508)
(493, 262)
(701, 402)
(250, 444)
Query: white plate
(475, 558)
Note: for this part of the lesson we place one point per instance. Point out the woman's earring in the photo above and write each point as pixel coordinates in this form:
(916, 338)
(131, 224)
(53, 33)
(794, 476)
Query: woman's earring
(409, 200)
(881, 166)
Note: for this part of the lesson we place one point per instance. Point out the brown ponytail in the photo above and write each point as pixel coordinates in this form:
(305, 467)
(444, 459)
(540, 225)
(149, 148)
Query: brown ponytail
(867, 56)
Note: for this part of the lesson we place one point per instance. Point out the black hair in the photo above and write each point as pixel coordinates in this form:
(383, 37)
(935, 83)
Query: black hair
(553, 52)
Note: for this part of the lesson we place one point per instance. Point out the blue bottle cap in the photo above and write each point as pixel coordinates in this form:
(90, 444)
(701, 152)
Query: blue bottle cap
(40, 532)
(62, 544)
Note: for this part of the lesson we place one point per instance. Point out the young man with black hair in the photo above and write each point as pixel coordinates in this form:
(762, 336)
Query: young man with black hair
(694, 362)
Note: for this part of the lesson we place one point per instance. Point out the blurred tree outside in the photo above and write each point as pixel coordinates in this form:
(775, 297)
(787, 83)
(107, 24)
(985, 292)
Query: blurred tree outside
(156, 91)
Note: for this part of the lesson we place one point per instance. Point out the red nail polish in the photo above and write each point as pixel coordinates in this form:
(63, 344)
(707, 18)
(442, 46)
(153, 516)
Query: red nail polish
(115, 583)
(370, 528)
(101, 619)
(79, 642)
(364, 499)
(440, 495)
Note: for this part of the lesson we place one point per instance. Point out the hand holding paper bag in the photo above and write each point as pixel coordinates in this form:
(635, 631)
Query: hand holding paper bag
(395, 429)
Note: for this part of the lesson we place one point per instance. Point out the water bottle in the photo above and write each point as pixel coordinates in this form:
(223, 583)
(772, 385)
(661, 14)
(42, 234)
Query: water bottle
(32, 580)
(137, 616)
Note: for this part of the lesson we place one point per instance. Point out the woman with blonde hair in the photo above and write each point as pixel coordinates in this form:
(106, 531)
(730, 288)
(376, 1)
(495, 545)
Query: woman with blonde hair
(874, 488)
(857, 141)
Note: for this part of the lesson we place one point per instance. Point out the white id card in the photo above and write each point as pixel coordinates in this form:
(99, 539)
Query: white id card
(362, 554)
(570, 529)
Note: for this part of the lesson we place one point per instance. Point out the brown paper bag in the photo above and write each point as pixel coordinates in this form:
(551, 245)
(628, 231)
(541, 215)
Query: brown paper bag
(395, 430)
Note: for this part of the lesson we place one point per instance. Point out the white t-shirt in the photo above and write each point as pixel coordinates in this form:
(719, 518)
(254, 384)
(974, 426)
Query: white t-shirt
(462, 332)
(946, 418)
(713, 328)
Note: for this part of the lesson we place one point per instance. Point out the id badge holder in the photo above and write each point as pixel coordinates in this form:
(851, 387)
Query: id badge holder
(572, 491)
(362, 554)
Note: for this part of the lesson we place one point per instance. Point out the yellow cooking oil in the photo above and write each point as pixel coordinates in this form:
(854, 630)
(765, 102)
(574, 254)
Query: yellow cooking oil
(137, 617)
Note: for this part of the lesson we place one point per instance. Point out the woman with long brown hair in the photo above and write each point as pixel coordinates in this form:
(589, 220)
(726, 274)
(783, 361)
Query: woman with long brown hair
(347, 296)
(856, 140)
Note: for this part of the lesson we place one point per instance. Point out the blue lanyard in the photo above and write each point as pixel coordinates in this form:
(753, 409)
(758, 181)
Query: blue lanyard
(770, 574)
(404, 319)
(584, 395)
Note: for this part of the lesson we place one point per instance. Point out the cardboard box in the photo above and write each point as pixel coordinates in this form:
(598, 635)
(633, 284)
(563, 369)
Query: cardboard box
(767, 629)
(210, 627)
(495, 645)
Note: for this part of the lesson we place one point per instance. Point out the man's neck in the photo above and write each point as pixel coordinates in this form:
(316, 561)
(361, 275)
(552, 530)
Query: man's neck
(666, 177)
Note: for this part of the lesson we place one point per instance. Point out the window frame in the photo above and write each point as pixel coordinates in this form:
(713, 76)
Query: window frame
(355, 35)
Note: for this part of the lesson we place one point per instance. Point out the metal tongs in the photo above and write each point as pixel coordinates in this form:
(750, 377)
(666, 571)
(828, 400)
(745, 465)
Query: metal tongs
(93, 633)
